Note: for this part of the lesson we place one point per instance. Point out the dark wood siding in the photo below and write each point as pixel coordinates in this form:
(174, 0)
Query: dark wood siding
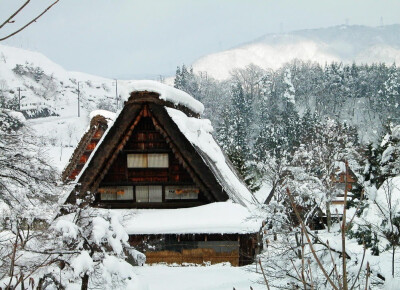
(238, 249)
(146, 139)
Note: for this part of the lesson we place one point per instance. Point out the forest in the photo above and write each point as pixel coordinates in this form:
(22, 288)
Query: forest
(317, 145)
(292, 132)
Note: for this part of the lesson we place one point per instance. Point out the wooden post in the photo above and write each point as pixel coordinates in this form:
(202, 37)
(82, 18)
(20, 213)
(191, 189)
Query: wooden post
(345, 286)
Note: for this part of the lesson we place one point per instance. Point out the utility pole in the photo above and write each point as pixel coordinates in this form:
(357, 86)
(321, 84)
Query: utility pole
(79, 92)
(116, 91)
(19, 98)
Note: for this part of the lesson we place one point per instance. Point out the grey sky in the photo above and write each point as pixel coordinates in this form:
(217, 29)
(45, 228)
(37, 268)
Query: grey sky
(136, 39)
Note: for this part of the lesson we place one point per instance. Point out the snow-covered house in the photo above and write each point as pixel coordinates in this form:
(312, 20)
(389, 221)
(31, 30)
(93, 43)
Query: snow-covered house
(157, 163)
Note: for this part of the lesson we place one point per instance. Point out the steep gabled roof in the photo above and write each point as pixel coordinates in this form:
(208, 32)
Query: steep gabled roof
(99, 120)
(201, 156)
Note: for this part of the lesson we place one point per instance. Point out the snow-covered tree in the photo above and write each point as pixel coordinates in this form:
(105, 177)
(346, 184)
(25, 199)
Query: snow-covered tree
(96, 247)
(26, 177)
(27, 196)
(234, 135)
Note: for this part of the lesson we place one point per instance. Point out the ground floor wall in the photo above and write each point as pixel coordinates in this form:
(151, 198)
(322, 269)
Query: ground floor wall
(237, 249)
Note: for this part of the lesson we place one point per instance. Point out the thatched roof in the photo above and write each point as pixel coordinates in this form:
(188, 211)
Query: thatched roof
(213, 174)
(98, 121)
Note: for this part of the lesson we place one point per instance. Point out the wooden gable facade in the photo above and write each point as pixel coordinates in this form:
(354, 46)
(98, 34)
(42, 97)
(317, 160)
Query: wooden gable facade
(144, 161)
(148, 173)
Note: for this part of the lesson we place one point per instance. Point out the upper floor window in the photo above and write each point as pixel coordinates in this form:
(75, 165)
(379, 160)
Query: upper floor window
(116, 193)
(151, 160)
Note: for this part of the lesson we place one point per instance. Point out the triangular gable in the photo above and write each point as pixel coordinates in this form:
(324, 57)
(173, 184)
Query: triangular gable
(140, 104)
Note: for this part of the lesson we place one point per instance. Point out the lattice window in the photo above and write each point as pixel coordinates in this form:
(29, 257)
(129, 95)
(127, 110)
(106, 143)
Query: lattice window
(181, 192)
(149, 193)
(147, 160)
(116, 193)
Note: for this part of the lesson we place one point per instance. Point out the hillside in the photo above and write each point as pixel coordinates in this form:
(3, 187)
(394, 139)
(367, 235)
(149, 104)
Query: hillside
(49, 98)
(361, 44)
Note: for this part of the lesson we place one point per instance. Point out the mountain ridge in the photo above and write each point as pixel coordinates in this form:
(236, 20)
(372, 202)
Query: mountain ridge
(343, 43)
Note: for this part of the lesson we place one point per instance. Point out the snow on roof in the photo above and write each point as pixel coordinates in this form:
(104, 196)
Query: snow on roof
(198, 132)
(167, 93)
(109, 116)
(340, 167)
(110, 124)
(217, 217)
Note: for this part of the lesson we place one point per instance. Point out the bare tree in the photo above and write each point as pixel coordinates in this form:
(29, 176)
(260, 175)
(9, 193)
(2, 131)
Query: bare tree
(11, 18)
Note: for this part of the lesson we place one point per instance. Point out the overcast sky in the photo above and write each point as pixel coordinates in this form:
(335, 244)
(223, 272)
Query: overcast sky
(143, 39)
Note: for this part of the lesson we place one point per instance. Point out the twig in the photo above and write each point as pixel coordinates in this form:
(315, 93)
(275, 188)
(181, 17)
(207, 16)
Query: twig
(359, 270)
(343, 228)
(334, 266)
(302, 260)
(265, 277)
(310, 270)
(15, 13)
(368, 273)
(297, 272)
(12, 264)
(29, 23)
(309, 241)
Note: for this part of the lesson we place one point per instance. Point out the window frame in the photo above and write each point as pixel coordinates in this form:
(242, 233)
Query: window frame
(117, 188)
(147, 160)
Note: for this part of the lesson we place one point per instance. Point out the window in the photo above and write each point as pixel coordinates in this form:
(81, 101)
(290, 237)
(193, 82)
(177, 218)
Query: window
(148, 160)
(157, 160)
(137, 160)
(181, 192)
(149, 193)
(116, 193)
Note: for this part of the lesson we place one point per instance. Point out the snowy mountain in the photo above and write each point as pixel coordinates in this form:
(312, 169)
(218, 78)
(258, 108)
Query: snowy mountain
(361, 44)
(42, 88)
(47, 95)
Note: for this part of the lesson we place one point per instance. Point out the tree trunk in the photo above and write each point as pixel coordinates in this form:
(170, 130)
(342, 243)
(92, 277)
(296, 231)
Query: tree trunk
(85, 282)
(328, 216)
(393, 260)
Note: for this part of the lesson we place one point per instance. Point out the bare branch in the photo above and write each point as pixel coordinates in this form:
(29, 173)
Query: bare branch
(343, 230)
(309, 241)
(15, 13)
(334, 266)
(368, 273)
(29, 23)
(359, 270)
(265, 277)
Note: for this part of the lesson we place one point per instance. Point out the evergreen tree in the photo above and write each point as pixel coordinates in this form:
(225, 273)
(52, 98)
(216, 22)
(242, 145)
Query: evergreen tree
(187, 81)
(233, 135)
